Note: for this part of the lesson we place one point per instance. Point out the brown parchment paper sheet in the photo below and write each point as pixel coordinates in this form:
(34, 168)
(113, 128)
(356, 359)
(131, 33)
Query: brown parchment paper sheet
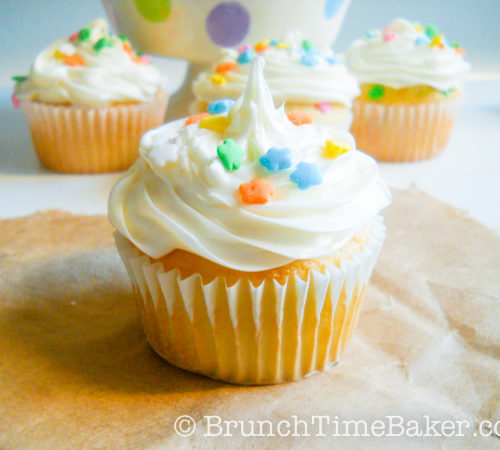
(77, 372)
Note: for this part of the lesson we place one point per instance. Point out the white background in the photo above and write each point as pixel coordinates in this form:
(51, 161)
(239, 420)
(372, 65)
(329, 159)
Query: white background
(465, 175)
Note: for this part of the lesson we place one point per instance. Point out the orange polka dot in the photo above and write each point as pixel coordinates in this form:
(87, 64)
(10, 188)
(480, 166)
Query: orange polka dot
(256, 192)
(299, 117)
(195, 118)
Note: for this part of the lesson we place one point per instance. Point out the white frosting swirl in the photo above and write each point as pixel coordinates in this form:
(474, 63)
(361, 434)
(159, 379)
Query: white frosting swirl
(288, 79)
(405, 57)
(108, 75)
(178, 195)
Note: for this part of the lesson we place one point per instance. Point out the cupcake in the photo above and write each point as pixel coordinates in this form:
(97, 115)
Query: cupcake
(249, 239)
(411, 89)
(305, 77)
(88, 100)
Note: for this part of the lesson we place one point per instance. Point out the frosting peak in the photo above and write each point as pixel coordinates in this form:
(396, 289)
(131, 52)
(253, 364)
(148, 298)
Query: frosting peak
(405, 54)
(247, 189)
(91, 68)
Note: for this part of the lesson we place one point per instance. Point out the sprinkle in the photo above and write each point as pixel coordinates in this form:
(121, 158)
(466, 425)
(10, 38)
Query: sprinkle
(422, 40)
(276, 159)
(84, 34)
(309, 60)
(306, 175)
(140, 53)
(332, 150)
(226, 66)
(19, 78)
(73, 37)
(127, 48)
(256, 192)
(217, 79)
(246, 56)
(376, 92)
(243, 48)
(370, 34)
(283, 45)
(418, 27)
(15, 101)
(196, 118)
(215, 123)
(323, 107)
(101, 43)
(122, 37)
(299, 117)
(307, 45)
(230, 153)
(389, 36)
(220, 106)
(437, 41)
(273, 42)
(431, 31)
(59, 55)
(455, 44)
(144, 59)
(332, 60)
(261, 46)
(459, 50)
(447, 92)
(74, 60)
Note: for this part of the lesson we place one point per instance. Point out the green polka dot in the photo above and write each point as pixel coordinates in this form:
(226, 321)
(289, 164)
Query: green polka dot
(376, 92)
(154, 10)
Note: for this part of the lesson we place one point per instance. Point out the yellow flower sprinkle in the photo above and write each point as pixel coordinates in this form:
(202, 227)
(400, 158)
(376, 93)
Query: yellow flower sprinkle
(332, 150)
(283, 45)
(217, 79)
(59, 55)
(418, 27)
(215, 123)
(437, 41)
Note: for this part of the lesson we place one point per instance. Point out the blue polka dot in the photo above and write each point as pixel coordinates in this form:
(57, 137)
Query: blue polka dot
(228, 24)
(332, 7)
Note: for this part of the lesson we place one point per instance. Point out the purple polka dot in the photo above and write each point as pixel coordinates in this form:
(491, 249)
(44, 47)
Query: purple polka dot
(332, 7)
(228, 23)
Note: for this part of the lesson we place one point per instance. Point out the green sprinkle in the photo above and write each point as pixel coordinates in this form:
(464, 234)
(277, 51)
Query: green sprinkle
(447, 92)
(376, 92)
(139, 53)
(431, 31)
(455, 45)
(19, 78)
(101, 43)
(231, 154)
(307, 45)
(122, 37)
(84, 34)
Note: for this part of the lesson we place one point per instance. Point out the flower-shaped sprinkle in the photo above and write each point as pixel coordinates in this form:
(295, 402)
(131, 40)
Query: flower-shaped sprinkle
(306, 175)
(276, 159)
(231, 154)
(332, 150)
(256, 192)
(299, 117)
(196, 118)
(220, 106)
(246, 56)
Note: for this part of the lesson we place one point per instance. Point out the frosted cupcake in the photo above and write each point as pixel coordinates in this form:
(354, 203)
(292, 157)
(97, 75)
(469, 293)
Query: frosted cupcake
(88, 100)
(249, 240)
(411, 82)
(307, 78)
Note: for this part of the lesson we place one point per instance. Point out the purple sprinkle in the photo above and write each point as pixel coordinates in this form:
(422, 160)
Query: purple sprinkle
(228, 24)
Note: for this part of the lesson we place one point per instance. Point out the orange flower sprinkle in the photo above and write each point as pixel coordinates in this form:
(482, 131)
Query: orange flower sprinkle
(299, 117)
(224, 67)
(256, 192)
(196, 118)
(74, 60)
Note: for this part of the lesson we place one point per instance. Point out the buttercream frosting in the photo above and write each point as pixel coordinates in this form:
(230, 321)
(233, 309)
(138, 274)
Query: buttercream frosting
(91, 68)
(407, 54)
(180, 195)
(295, 70)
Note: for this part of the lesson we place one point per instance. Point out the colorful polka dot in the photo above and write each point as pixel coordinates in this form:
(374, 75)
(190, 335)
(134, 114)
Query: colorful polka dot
(228, 24)
(153, 10)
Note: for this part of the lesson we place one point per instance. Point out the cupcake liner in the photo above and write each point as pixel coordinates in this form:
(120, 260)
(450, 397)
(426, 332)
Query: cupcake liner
(246, 334)
(74, 139)
(406, 132)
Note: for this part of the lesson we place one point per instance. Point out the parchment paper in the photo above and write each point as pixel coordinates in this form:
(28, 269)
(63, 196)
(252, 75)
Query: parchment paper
(77, 372)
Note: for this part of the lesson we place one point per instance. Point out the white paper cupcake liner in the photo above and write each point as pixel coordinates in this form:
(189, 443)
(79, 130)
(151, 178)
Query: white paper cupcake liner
(248, 334)
(406, 132)
(74, 139)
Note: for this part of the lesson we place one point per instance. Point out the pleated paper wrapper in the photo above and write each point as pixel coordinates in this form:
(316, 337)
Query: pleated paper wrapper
(248, 334)
(406, 132)
(74, 139)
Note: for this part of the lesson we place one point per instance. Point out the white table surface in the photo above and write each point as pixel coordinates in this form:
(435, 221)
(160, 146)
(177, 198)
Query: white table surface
(466, 175)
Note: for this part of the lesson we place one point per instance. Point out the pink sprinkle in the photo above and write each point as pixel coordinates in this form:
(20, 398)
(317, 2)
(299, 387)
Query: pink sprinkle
(324, 107)
(15, 101)
(73, 37)
(389, 37)
(145, 59)
(242, 48)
